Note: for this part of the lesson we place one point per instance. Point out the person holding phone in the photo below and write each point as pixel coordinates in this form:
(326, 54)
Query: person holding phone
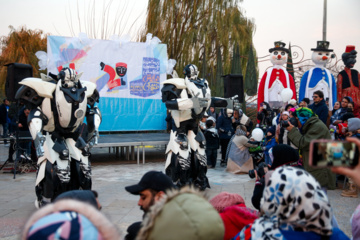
(311, 127)
(352, 133)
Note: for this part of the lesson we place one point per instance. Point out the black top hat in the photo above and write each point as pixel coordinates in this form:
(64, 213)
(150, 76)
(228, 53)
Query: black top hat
(322, 46)
(279, 46)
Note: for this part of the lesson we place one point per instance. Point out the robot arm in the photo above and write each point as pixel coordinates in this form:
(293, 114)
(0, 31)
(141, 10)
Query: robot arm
(230, 103)
(93, 117)
(177, 99)
(36, 121)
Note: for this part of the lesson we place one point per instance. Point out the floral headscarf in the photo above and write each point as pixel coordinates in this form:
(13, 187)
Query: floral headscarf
(303, 114)
(292, 200)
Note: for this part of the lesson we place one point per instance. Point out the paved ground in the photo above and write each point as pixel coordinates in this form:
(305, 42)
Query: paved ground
(111, 175)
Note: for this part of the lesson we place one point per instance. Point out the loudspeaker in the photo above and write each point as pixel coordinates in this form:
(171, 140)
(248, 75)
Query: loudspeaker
(233, 85)
(15, 73)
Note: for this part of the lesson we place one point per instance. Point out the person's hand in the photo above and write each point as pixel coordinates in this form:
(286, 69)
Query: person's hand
(256, 176)
(354, 173)
(349, 134)
(290, 126)
(20, 125)
(247, 133)
(337, 122)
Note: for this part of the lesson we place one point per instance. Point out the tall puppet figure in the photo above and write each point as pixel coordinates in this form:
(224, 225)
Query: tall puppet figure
(318, 77)
(276, 78)
(348, 79)
(188, 99)
(59, 104)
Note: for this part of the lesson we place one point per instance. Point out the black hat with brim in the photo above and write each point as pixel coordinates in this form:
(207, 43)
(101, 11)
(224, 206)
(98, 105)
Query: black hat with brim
(153, 180)
(279, 46)
(322, 46)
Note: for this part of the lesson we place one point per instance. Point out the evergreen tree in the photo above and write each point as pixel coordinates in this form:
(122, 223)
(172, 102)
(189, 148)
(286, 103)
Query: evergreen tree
(20, 46)
(192, 28)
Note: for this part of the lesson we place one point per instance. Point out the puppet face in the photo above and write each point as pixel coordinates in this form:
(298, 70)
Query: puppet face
(320, 58)
(121, 71)
(278, 57)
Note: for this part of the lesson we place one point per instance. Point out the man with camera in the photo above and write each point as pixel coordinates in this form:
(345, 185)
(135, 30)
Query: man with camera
(311, 127)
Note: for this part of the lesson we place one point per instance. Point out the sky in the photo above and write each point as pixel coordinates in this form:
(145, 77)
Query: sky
(297, 21)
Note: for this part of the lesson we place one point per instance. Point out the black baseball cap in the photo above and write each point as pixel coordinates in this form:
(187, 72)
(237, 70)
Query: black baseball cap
(154, 180)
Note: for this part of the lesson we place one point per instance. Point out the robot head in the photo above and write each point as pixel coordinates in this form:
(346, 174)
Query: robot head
(191, 71)
(349, 56)
(68, 77)
(121, 69)
(320, 57)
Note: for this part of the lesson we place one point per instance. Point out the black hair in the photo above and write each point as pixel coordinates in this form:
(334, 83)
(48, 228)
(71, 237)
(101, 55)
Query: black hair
(319, 93)
(307, 100)
(209, 123)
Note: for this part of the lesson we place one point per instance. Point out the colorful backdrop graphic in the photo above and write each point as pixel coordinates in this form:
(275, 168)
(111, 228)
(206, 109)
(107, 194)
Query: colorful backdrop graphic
(128, 78)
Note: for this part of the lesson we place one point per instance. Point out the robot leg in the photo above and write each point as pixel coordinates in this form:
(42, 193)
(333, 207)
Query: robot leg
(80, 175)
(201, 181)
(56, 178)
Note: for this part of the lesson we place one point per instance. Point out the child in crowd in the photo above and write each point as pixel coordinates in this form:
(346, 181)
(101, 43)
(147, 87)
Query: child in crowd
(212, 143)
(270, 142)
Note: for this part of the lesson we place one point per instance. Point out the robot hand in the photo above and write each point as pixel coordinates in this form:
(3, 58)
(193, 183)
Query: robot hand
(233, 103)
(94, 139)
(102, 65)
(199, 102)
(39, 143)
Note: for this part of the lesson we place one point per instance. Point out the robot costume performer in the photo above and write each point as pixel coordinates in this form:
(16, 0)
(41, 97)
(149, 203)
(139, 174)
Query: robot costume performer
(187, 100)
(59, 105)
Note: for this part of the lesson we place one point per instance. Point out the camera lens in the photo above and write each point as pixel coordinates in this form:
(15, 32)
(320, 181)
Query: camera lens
(251, 174)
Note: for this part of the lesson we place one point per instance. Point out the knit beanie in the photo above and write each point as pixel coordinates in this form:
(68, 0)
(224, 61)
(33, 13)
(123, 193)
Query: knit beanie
(353, 124)
(272, 130)
(225, 199)
(285, 113)
(284, 155)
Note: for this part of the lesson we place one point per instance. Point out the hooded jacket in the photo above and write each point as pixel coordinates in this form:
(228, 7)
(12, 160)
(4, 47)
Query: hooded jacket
(313, 129)
(182, 214)
(224, 126)
(321, 110)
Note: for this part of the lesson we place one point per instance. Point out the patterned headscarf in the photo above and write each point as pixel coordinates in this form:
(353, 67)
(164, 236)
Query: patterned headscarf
(303, 114)
(64, 225)
(292, 200)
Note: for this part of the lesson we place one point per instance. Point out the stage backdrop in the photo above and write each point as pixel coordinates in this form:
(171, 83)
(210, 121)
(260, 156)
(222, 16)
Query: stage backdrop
(128, 77)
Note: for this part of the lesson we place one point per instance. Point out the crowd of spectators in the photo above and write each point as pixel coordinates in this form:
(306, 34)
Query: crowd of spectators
(290, 196)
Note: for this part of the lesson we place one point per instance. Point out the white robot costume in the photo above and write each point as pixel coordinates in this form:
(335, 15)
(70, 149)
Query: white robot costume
(187, 100)
(59, 105)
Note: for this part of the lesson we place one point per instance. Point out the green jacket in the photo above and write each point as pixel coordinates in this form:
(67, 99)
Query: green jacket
(313, 128)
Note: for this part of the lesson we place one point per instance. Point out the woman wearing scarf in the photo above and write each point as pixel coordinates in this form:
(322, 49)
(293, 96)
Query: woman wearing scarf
(311, 128)
(238, 156)
(293, 207)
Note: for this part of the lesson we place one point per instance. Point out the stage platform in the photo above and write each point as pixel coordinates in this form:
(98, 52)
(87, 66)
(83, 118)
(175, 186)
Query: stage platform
(124, 144)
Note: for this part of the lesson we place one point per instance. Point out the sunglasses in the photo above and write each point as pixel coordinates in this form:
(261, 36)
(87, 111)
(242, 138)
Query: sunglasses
(314, 96)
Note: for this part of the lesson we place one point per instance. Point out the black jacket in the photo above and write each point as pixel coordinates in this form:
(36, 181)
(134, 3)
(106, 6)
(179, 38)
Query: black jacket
(321, 110)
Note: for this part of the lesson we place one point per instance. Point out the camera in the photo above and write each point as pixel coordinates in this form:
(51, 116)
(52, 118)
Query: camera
(261, 170)
(285, 123)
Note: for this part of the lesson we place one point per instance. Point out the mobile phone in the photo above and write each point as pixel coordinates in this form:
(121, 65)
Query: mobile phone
(330, 153)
